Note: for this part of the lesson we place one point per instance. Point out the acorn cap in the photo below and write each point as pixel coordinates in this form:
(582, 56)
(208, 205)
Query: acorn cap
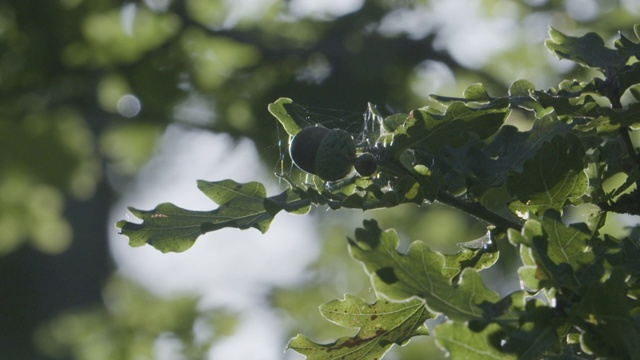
(335, 156)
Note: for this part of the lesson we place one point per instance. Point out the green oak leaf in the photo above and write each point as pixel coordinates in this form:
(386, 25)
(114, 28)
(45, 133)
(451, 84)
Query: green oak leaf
(629, 116)
(392, 122)
(170, 228)
(560, 251)
(418, 273)
(455, 127)
(477, 254)
(522, 88)
(476, 92)
(476, 97)
(520, 95)
(619, 65)
(567, 243)
(552, 177)
(463, 343)
(366, 194)
(586, 113)
(608, 318)
(537, 334)
(626, 254)
(507, 312)
(382, 324)
(509, 149)
(565, 106)
(520, 328)
(588, 50)
(627, 47)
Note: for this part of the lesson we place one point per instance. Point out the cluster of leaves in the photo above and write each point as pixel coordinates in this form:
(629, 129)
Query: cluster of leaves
(580, 291)
(133, 325)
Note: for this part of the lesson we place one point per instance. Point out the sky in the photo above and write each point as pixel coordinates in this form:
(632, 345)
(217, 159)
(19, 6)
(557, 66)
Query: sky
(229, 268)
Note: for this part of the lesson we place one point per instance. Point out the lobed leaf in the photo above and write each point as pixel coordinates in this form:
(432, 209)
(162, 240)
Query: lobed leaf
(509, 149)
(382, 324)
(418, 273)
(477, 254)
(476, 92)
(459, 122)
(462, 343)
(588, 50)
(609, 326)
(515, 330)
(554, 176)
(627, 47)
(626, 254)
(536, 336)
(522, 88)
(368, 194)
(576, 106)
(566, 244)
(170, 228)
(558, 253)
(619, 65)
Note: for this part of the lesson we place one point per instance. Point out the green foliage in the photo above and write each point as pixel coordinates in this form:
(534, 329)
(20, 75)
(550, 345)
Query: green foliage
(43, 158)
(464, 343)
(381, 324)
(581, 284)
(423, 273)
(553, 176)
(131, 326)
(170, 228)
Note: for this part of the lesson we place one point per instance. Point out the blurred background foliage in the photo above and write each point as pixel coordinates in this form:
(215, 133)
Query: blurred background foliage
(88, 88)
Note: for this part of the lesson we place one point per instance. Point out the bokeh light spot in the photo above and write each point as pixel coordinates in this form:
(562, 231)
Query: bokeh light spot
(129, 106)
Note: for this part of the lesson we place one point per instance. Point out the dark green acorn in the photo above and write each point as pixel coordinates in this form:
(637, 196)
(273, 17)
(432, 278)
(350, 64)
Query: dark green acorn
(366, 164)
(330, 154)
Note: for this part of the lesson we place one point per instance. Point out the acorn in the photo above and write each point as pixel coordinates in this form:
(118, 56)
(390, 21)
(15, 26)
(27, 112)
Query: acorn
(329, 154)
(366, 164)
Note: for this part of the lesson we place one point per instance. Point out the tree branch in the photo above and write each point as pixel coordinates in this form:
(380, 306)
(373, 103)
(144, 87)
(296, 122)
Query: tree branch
(478, 211)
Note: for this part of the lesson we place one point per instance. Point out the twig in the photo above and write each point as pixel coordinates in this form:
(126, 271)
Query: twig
(479, 211)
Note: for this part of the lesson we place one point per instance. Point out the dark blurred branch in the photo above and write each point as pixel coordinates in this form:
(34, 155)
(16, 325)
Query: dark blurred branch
(413, 51)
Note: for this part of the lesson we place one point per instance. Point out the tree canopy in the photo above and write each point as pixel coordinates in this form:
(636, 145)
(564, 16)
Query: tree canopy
(90, 86)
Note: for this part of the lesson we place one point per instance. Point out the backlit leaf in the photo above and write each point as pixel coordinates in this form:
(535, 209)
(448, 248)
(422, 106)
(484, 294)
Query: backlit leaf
(382, 324)
(510, 149)
(521, 88)
(588, 50)
(419, 273)
(170, 228)
(462, 343)
(454, 127)
(606, 307)
(554, 176)
(476, 92)
(561, 252)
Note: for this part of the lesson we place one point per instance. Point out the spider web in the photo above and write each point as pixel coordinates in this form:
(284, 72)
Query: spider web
(365, 128)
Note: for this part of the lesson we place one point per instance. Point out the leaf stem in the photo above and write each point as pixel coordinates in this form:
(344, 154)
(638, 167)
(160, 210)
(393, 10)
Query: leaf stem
(478, 211)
